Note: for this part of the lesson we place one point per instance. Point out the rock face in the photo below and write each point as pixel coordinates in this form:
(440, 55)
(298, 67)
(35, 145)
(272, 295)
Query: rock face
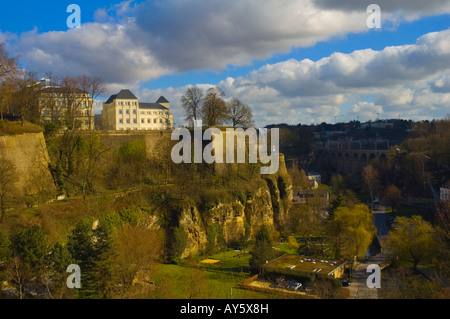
(269, 205)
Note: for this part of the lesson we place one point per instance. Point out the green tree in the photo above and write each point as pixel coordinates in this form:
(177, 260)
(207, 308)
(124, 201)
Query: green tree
(91, 245)
(180, 238)
(60, 259)
(31, 246)
(5, 254)
(352, 230)
(412, 240)
(30, 251)
(262, 250)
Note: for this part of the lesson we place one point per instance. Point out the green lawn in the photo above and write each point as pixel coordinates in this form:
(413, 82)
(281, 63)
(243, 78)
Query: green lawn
(219, 284)
(230, 260)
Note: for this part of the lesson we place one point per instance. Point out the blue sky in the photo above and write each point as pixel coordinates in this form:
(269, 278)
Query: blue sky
(292, 61)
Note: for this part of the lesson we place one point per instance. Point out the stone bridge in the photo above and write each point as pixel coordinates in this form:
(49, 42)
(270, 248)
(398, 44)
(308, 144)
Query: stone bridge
(345, 160)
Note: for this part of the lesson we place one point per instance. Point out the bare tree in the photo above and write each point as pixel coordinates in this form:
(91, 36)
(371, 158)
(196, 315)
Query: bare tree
(192, 104)
(49, 99)
(214, 110)
(371, 179)
(72, 102)
(8, 69)
(239, 114)
(26, 94)
(94, 86)
(7, 178)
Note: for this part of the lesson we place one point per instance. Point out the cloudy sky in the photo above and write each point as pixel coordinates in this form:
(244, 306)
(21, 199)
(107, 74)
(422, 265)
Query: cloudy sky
(291, 61)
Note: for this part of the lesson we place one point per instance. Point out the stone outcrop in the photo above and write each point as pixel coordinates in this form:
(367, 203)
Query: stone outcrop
(269, 206)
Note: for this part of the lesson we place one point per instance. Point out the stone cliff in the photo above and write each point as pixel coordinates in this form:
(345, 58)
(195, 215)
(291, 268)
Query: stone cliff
(237, 221)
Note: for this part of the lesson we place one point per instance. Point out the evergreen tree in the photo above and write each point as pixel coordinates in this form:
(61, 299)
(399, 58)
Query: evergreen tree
(262, 251)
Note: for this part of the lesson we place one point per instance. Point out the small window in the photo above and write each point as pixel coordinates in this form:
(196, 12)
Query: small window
(120, 111)
(154, 120)
(128, 121)
(127, 111)
(135, 121)
(134, 111)
(149, 121)
(120, 121)
(142, 121)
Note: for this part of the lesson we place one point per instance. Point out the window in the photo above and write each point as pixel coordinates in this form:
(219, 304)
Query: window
(135, 121)
(120, 112)
(120, 121)
(149, 121)
(142, 120)
(128, 121)
(142, 112)
(134, 111)
(154, 120)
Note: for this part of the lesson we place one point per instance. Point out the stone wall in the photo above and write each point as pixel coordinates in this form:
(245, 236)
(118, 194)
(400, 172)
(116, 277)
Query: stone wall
(28, 152)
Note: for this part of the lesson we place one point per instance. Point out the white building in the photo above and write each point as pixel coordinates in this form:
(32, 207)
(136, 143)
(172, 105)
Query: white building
(445, 192)
(123, 111)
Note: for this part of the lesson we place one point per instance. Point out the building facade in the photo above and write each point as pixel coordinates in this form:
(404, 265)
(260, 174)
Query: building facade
(445, 192)
(123, 111)
(70, 106)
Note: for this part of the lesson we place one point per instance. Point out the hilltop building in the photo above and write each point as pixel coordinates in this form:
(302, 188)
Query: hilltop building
(123, 111)
(70, 106)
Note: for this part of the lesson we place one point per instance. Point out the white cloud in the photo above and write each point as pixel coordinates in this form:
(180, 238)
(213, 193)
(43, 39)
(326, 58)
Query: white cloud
(133, 42)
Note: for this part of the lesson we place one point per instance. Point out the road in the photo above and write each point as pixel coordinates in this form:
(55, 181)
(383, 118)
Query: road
(358, 288)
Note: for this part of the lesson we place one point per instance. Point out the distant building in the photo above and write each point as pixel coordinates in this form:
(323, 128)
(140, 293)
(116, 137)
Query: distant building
(305, 196)
(123, 111)
(445, 192)
(315, 179)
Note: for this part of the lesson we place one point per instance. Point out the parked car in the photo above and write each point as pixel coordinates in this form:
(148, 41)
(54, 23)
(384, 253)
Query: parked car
(345, 282)
(297, 285)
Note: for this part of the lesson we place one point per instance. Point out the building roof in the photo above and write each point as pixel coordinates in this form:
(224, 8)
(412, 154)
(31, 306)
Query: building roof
(152, 106)
(122, 95)
(58, 89)
(302, 264)
(162, 99)
(128, 95)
